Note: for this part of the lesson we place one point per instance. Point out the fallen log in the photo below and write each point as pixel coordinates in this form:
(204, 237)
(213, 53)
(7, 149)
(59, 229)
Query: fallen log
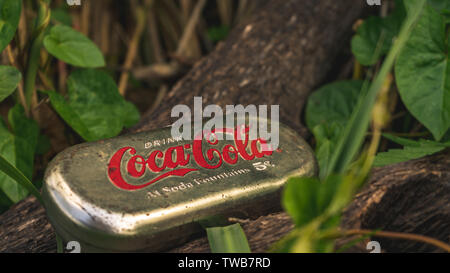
(278, 57)
(410, 197)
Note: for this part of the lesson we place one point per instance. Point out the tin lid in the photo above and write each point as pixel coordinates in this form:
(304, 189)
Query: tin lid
(147, 191)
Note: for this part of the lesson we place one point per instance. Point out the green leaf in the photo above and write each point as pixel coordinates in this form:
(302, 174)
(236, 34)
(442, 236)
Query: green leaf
(229, 239)
(327, 112)
(63, 108)
(94, 109)
(62, 16)
(374, 37)
(9, 20)
(9, 79)
(72, 47)
(411, 4)
(306, 198)
(446, 14)
(299, 199)
(440, 5)
(26, 132)
(423, 73)
(324, 149)
(17, 148)
(332, 103)
(412, 150)
(414, 143)
(326, 136)
(18, 177)
(130, 114)
(402, 155)
(402, 141)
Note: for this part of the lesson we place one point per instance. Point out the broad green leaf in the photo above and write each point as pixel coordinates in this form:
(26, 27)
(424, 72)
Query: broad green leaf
(229, 239)
(9, 79)
(326, 136)
(440, 5)
(9, 20)
(407, 153)
(61, 16)
(423, 73)
(63, 108)
(446, 14)
(412, 150)
(306, 198)
(18, 177)
(129, 113)
(17, 148)
(327, 111)
(72, 47)
(410, 4)
(374, 37)
(332, 103)
(7, 150)
(26, 132)
(94, 108)
(299, 199)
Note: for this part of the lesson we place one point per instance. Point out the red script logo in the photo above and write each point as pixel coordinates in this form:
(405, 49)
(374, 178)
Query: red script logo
(137, 164)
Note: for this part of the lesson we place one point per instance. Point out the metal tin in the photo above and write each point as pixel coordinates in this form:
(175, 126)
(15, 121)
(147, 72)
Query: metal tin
(149, 191)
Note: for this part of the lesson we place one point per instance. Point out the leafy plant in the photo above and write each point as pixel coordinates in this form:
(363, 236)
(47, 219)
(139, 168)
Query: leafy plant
(19, 178)
(423, 74)
(47, 42)
(94, 108)
(377, 32)
(9, 20)
(17, 147)
(339, 114)
(72, 47)
(411, 150)
(327, 112)
(9, 79)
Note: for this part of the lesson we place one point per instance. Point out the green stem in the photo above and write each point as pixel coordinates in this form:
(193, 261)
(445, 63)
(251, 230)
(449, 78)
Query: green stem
(353, 136)
(35, 51)
(59, 244)
(387, 234)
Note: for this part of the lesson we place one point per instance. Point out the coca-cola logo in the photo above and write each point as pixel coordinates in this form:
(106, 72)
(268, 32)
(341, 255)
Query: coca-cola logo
(172, 162)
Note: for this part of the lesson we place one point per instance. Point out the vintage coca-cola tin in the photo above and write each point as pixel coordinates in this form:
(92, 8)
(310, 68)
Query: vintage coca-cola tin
(149, 191)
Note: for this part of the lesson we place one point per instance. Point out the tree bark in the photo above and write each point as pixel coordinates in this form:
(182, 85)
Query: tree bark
(285, 51)
(408, 197)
